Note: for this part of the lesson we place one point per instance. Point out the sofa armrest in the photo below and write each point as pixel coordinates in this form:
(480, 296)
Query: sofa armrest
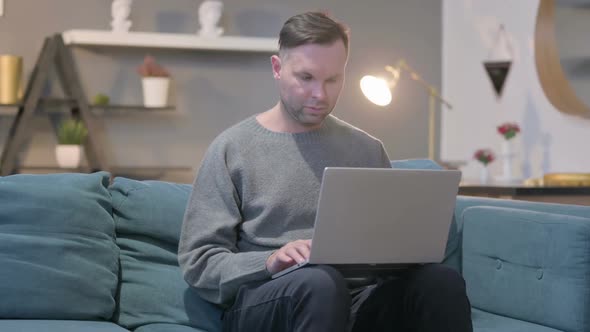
(528, 265)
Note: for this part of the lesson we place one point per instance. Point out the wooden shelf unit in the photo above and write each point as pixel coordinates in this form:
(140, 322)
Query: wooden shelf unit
(56, 54)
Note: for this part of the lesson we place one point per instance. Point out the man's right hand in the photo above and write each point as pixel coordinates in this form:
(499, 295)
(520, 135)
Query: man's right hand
(288, 255)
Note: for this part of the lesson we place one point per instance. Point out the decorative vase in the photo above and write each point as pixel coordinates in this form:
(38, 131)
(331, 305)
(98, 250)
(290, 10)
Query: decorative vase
(155, 91)
(120, 10)
(484, 175)
(507, 155)
(209, 15)
(68, 155)
(11, 67)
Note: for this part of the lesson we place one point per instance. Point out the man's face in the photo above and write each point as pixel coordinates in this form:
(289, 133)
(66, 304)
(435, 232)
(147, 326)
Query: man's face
(310, 78)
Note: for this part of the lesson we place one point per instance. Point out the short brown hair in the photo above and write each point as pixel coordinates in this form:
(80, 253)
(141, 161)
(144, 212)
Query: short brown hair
(311, 28)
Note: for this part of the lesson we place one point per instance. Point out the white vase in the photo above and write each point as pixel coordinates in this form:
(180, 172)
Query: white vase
(484, 175)
(507, 155)
(68, 156)
(155, 91)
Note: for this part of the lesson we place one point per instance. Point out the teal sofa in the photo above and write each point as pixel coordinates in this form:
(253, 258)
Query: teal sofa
(79, 252)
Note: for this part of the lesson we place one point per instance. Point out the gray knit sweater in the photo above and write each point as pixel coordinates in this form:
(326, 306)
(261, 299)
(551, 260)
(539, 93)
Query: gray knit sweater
(257, 190)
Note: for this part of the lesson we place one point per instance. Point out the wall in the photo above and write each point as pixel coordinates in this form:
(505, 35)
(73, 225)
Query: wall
(550, 140)
(213, 90)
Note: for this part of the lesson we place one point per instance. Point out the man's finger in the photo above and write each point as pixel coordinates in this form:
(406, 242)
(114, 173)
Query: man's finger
(283, 258)
(294, 253)
(303, 250)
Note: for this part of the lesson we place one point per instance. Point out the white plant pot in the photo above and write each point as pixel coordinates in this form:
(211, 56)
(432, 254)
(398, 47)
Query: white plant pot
(68, 156)
(155, 91)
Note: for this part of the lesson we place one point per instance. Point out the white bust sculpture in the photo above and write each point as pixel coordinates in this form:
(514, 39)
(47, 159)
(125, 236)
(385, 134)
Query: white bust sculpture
(209, 15)
(120, 10)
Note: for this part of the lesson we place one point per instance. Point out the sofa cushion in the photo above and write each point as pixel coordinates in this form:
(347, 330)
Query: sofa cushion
(167, 328)
(415, 164)
(528, 265)
(488, 322)
(148, 217)
(32, 325)
(58, 257)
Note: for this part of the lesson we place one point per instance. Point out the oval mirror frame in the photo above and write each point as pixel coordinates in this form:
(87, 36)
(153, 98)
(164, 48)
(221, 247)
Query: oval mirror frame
(553, 80)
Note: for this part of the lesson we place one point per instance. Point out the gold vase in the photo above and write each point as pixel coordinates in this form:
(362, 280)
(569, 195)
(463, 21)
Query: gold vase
(11, 68)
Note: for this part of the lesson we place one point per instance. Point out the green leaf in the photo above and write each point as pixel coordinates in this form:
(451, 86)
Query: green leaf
(72, 132)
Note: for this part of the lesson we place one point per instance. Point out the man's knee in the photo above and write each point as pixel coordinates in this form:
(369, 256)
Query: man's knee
(321, 282)
(318, 278)
(439, 278)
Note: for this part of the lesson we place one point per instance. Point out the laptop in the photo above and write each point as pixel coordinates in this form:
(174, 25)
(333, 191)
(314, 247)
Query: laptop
(381, 219)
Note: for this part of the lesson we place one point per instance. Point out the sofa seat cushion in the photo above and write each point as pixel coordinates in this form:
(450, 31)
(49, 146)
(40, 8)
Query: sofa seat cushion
(58, 256)
(167, 328)
(148, 217)
(529, 266)
(8, 325)
(488, 322)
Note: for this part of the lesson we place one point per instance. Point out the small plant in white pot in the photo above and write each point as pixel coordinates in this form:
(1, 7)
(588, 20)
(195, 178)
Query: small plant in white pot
(71, 135)
(155, 82)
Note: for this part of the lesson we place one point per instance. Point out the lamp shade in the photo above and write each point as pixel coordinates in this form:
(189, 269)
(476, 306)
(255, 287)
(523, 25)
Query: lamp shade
(376, 90)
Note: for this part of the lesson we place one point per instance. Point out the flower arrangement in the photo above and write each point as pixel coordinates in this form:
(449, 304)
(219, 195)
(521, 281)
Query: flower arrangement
(484, 156)
(508, 130)
(150, 68)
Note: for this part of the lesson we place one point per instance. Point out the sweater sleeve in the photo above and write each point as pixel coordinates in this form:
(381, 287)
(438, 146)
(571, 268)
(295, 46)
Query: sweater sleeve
(384, 156)
(207, 253)
(381, 157)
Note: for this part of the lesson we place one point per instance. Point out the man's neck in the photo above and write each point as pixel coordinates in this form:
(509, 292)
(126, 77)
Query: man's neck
(277, 119)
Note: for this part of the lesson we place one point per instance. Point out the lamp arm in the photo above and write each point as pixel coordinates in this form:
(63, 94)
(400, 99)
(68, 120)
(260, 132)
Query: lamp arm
(402, 65)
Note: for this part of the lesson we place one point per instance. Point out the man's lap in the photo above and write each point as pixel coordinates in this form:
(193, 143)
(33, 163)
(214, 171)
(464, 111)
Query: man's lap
(277, 297)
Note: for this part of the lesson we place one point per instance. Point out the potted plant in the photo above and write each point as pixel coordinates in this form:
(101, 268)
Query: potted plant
(71, 135)
(155, 82)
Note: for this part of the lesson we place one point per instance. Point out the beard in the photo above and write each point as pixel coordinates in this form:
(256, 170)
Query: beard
(302, 115)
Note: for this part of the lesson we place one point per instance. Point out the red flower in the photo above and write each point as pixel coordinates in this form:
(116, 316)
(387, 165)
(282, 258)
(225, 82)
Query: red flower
(485, 156)
(508, 130)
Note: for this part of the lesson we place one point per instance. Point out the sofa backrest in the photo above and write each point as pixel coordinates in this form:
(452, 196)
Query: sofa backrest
(148, 217)
(58, 257)
(465, 202)
(528, 265)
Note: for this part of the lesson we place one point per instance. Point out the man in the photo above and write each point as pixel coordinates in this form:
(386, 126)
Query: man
(252, 210)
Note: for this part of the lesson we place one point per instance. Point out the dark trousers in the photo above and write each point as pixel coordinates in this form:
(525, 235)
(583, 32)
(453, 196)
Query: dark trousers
(428, 298)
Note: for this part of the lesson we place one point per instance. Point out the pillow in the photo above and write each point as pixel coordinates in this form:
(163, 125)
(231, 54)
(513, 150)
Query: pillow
(530, 266)
(148, 217)
(58, 257)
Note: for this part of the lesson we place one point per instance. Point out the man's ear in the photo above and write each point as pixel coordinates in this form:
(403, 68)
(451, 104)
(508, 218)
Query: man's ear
(275, 60)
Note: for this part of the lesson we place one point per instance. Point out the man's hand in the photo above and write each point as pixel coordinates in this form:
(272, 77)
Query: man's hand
(288, 255)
